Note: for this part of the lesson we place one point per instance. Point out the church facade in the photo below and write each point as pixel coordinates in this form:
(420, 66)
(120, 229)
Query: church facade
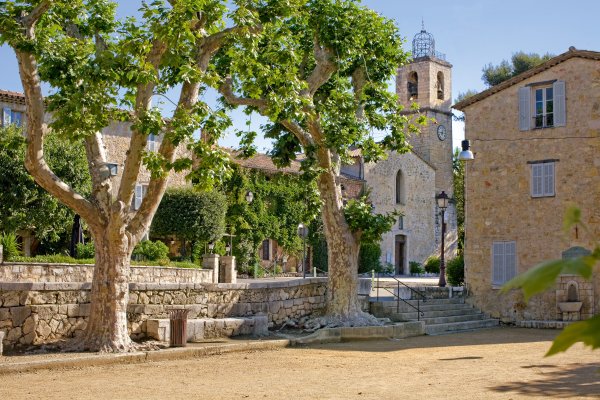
(409, 182)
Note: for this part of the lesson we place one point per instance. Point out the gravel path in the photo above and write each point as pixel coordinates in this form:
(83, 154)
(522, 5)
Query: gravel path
(503, 363)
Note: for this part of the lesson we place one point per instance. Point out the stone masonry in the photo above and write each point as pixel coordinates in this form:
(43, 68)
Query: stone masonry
(35, 313)
(42, 272)
(499, 203)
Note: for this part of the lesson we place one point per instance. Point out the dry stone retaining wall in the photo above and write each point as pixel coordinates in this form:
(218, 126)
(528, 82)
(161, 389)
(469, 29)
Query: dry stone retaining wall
(43, 272)
(36, 313)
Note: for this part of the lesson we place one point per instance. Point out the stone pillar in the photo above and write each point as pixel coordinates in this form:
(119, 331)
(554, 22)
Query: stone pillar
(1, 254)
(211, 261)
(227, 271)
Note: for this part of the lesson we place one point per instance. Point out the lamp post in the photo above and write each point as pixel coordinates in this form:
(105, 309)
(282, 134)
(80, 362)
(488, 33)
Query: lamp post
(442, 203)
(303, 233)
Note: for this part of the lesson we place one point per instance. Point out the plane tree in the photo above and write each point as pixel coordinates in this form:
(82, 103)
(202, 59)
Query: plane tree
(321, 76)
(99, 70)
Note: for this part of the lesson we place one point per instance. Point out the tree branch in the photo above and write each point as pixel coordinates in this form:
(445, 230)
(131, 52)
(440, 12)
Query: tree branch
(36, 129)
(226, 89)
(323, 70)
(157, 186)
(359, 81)
(34, 16)
(137, 143)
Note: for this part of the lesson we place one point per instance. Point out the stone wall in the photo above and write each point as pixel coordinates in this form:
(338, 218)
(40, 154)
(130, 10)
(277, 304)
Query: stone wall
(36, 313)
(42, 272)
(499, 204)
(418, 205)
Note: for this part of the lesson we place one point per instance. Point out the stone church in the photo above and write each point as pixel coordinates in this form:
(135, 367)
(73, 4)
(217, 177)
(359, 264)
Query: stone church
(409, 182)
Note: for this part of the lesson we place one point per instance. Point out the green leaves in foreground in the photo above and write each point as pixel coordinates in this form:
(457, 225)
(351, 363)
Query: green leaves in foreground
(544, 275)
(587, 331)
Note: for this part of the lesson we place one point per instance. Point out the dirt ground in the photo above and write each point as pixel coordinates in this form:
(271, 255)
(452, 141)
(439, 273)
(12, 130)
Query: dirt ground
(503, 363)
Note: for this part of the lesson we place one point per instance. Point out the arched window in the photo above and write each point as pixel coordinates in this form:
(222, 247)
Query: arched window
(400, 192)
(413, 86)
(440, 86)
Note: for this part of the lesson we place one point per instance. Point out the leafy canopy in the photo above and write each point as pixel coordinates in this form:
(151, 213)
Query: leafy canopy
(519, 63)
(26, 206)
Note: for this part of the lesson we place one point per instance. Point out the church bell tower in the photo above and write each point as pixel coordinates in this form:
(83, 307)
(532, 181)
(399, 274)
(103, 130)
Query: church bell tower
(427, 81)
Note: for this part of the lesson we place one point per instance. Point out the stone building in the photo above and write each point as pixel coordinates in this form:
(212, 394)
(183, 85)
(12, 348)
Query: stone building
(116, 139)
(409, 182)
(536, 139)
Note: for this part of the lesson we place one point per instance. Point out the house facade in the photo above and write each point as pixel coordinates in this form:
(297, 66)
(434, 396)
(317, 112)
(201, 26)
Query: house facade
(536, 139)
(116, 138)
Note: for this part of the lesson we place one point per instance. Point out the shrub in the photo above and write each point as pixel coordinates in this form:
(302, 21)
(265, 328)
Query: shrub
(85, 250)
(10, 245)
(368, 257)
(186, 264)
(53, 259)
(455, 271)
(153, 251)
(432, 265)
(415, 267)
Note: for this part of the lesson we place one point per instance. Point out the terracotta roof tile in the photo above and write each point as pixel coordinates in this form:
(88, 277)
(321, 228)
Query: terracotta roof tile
(12, 97)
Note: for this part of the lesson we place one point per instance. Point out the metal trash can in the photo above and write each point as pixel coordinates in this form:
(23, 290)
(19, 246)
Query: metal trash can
(178, 327)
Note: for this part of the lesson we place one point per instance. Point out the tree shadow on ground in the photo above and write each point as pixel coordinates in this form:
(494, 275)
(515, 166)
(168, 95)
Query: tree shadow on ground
(574, 380)
(502, 335)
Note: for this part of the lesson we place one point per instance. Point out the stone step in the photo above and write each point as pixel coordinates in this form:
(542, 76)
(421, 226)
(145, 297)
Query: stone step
(440, 329)
(389, 301)
(410, 316)
(452, 319)
(210, 328)
(425, 307)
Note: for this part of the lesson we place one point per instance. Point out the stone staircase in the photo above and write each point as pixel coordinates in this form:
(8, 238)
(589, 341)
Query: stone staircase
(441, 316)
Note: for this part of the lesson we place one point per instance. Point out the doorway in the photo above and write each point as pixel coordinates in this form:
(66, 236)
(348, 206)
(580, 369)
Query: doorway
(400, 252)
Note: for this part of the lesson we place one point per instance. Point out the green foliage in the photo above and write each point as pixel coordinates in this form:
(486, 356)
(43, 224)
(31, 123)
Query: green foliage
(465, 95)
(416, 268)
(85, 250)
(190, 215)
(281, 202)
(319, 251)
(153, 251)
(519, 63)
(10, 246)
(543, 277)
(455, 271)
(458, 184)
(25, 205)
(359, 215)
(369, 257)
(432, 265)
(185, 264)
(53, 259)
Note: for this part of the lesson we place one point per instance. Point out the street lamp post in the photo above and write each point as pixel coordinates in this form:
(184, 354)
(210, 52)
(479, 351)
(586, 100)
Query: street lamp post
(442, 203)
(303, 233)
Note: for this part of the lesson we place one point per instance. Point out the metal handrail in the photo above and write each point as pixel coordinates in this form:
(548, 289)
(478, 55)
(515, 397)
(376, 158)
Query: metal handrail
(397, 296)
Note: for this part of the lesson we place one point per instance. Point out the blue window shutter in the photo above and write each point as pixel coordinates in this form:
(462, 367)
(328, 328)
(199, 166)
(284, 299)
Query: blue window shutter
(548, 179)
(524, 108)
(560, 108)
(6, 116)
(510, 261)
(537, 185)
(497, 263)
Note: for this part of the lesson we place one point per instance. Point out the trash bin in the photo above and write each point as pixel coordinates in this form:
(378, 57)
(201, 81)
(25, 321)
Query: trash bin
(178, 327)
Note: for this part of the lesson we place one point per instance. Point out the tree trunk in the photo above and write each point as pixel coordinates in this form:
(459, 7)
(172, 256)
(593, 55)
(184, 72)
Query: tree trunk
(343, 307)
(106, 329)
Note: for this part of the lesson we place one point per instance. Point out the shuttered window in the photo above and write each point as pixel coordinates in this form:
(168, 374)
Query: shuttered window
(504, 262)
(542, 106)
(140, 193)
(152, 142)
(11, 117)
(542, 180)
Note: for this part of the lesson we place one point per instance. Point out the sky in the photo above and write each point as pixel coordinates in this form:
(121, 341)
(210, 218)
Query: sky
(472, 34)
